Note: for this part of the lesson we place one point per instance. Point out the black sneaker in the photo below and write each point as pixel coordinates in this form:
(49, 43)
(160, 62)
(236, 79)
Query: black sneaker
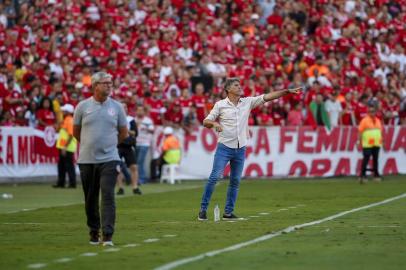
(94, 238)
(137, 191)
(202, 216)
(120, 191)
(230, 217)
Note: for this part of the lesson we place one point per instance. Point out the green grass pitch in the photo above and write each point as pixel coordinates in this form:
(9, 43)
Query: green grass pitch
(44, 228)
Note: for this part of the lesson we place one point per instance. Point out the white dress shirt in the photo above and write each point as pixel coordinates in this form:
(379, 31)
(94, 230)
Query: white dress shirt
(234, 119)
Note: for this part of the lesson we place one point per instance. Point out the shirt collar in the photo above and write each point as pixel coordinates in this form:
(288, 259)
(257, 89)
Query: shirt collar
(229, 101)
(100, 103)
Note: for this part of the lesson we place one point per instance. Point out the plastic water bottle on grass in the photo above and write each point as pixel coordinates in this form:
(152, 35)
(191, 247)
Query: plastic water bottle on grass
(7, 196)
(216, 213)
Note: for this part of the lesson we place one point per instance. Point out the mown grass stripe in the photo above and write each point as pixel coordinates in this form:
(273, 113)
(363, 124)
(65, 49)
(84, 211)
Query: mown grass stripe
(289, 229)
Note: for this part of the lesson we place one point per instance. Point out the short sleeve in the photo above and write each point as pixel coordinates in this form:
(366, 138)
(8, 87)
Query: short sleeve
(77, 115)
(122, 118)
(214, 113)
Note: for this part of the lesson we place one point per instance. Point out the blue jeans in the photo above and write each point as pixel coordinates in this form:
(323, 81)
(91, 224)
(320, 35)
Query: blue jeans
(223, 155)
(142, 152)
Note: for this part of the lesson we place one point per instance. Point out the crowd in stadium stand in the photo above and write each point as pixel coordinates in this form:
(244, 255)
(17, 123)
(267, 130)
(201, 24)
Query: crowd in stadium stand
(172, 56)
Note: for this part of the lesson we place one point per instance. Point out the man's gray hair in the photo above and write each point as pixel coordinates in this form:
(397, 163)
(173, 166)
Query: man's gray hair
(98, 76)
(229, 82)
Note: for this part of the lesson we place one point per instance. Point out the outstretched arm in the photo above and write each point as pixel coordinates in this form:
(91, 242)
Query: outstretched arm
(278, 94)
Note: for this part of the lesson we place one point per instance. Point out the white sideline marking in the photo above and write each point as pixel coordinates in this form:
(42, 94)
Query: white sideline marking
(253, 216)
(380, 226)
(112, 250)
(75, 203)
(131, 245)
(33, 209)
(282, 209)
(37, 265)
(292, 207)
(289, 229)
(88, 254)
(63, 260)
(264, 213)
(151, 240)
(170, 235)
(22, 223)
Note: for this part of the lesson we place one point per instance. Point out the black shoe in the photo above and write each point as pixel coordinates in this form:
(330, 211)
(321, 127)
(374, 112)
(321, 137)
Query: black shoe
(230, 217)
(58, 186)
(120, 191)
(94, 238)
(202, 216)
(137, 191)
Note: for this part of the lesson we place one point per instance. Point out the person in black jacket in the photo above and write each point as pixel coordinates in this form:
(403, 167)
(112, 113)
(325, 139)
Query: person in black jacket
(126, 150)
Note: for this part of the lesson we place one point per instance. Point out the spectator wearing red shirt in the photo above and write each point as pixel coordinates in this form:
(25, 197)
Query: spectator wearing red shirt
(185, 101)
(275, 18)
(263, 117)
(13, 96)
(155, 105)
(348, 115)
(391, 109)
(45, 114)
(295, 116)
(174, 116)
(199, 99)
(278, 116)
(20, 120)
(361, 108)
(359, 42)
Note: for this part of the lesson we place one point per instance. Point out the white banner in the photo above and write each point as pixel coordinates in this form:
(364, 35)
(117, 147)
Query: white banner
(272, 152)
(294, 151)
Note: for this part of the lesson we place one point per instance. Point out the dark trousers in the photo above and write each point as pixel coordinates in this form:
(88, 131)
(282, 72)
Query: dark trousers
(161, 163)
(126, 172)
(155, 169)
(367, 153)
(96, 177)
(65, 165)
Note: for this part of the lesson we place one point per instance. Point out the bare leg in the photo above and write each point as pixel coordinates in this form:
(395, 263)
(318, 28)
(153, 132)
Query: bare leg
(134, 179)
(120, 182)
(134, 175)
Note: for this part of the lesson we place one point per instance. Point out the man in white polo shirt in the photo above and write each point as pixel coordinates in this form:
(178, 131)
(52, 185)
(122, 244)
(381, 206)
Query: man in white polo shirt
(232, 114)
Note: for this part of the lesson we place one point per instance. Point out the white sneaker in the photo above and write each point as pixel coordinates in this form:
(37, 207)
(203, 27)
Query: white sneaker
(108, 244)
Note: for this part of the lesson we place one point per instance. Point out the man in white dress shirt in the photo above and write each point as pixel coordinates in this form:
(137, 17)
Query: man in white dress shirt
(232, 114)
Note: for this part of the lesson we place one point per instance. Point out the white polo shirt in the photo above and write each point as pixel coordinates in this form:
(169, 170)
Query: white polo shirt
(234, 119)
